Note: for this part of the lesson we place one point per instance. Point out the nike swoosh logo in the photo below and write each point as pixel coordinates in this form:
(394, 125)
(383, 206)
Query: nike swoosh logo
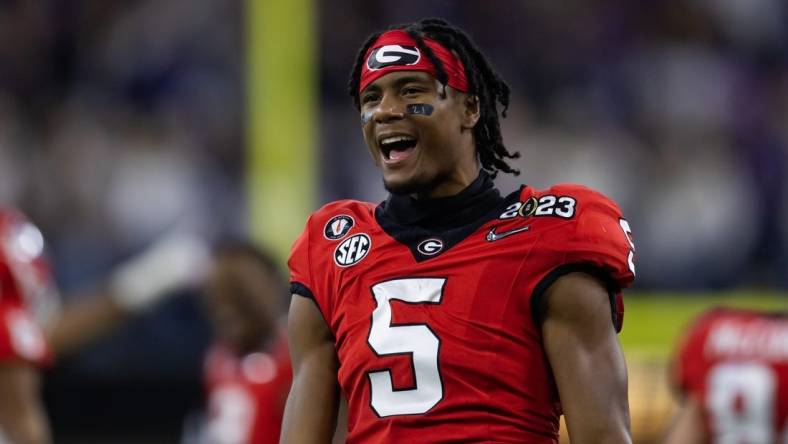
(492, 236)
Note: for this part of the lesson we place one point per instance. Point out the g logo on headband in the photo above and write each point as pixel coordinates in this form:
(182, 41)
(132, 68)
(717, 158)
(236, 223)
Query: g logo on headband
(390, 55)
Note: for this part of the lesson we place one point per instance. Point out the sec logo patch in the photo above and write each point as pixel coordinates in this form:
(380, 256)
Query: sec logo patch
(352, 250)
(338, 226)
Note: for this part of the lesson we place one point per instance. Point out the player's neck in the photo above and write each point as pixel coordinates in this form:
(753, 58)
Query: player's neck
(453, 184)
(469, 204)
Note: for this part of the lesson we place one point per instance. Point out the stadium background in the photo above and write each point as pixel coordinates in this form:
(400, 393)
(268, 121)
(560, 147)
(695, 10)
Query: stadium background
(119, 119)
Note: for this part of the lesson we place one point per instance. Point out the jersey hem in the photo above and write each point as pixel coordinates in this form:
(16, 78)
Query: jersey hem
(301, 290)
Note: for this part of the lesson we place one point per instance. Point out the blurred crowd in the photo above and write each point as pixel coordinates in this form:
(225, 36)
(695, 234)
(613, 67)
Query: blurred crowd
(119, 119)
(122, 119)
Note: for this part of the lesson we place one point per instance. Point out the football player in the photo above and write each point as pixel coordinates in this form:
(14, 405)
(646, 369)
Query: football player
(451, 313)
(247, 370)
(34, 328)
(732, 373)
(28, 301)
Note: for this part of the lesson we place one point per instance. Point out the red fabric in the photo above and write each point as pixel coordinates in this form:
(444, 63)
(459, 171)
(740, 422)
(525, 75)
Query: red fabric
(735, 361)
(451, 64)
(25, 282)
(496, 382)
(246, 395)
(21, 338)
(25, 273)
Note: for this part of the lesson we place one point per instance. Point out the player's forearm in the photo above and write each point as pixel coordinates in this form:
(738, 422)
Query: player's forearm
(29, 430)
(687, 425)
(84, 321)
(22, 417)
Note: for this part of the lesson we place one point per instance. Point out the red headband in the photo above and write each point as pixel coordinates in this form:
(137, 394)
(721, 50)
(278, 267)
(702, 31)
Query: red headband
(397, 51)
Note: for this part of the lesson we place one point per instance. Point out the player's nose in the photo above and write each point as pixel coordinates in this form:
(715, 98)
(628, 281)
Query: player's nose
(389, 108)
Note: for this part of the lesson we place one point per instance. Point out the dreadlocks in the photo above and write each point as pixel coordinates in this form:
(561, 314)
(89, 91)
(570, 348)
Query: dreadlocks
(483, 82)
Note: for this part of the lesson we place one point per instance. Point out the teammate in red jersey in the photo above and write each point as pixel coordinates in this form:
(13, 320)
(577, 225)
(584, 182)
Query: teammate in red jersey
(247, 370)
(28, 299)
(34, 328)
(449, 313)
(732, 372)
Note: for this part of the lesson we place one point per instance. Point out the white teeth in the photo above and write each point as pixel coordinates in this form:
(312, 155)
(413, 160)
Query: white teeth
(395, 139)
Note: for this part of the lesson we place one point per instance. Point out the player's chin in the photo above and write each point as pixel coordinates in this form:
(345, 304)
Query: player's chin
(403, 183)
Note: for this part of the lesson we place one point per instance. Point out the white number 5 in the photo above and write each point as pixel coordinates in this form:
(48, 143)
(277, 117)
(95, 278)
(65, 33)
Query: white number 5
(418, 340)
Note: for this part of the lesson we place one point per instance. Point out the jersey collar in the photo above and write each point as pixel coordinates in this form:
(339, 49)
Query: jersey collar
(467, 206)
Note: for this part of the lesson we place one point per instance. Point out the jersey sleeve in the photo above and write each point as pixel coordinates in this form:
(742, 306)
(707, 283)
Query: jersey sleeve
(603, 238)
(299, 264)
(596, 240)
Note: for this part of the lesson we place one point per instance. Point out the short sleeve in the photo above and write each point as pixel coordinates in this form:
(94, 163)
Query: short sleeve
(596, 240)
(604, 238)
(299, 264)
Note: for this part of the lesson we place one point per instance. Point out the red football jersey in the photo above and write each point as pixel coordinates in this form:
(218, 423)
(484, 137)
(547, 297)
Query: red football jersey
(246, 394)
(436, 337)
(27, 292)
(735, 364)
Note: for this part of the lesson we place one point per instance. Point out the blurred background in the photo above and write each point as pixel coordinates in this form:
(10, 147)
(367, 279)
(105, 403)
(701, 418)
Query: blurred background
(120, 119)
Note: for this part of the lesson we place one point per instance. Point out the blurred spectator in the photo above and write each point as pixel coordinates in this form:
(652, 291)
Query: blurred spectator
(247, 369)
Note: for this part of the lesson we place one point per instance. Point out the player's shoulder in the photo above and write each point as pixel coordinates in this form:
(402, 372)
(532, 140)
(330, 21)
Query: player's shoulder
(348, 205)
(567, 206)
(339, 216)
(330, 223)
(719, 314)
(336, 219)
(703, 321)
(736, 316)
(701, 326)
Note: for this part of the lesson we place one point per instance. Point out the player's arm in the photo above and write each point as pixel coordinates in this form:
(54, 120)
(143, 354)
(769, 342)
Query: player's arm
(586, 360)
(311, 411)
(340, 435)
(22, 417)
(84, 321)
(135, 286)
(687, 427)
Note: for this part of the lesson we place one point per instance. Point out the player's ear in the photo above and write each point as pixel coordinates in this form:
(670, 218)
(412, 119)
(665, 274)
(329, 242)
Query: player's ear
(471, 111)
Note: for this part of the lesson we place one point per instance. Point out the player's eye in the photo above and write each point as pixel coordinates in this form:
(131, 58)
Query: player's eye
(411, 90)
(369, 98)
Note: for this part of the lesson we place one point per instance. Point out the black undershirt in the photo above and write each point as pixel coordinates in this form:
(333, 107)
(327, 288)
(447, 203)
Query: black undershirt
(449, 219)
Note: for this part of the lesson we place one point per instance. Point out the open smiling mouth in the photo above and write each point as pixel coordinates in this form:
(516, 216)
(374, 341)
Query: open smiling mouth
(397, 148)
